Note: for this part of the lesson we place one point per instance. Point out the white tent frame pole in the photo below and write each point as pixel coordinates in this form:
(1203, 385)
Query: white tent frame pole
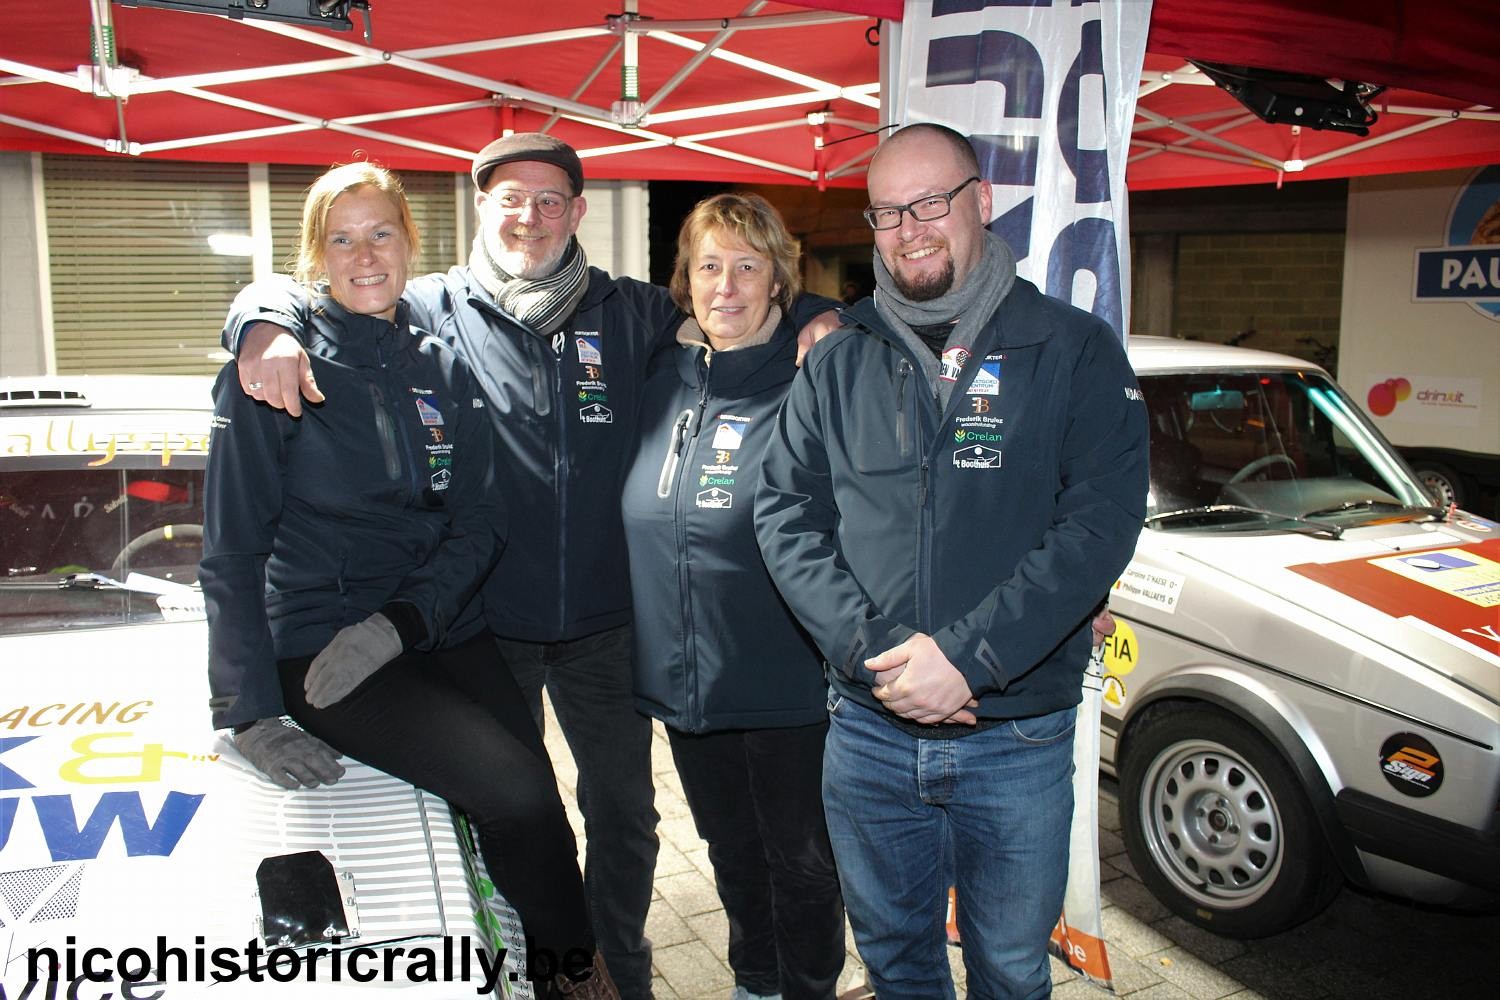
(586, 82)
(698, 58)
(744, 22)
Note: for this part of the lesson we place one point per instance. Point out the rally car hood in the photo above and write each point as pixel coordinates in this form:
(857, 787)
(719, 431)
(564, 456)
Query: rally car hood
(1416, 598)
(127, 822)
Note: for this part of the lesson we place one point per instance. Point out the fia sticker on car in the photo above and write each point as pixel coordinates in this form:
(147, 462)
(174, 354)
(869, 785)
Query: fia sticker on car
(1411, 764)
(588, 349)
(1119, 657)
(986, 379)
(1150, 586)
(716, 499)
(953, 362)
(596, 413)
(441, 478)
(431, 416)
(977, 457)
(729, 434)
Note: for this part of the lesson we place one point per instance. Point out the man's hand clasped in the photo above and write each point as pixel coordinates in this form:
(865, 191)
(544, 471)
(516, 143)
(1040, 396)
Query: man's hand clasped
(921, 684)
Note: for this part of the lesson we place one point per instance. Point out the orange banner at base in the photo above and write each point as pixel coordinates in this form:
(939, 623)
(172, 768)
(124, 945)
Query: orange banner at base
(1084, 953)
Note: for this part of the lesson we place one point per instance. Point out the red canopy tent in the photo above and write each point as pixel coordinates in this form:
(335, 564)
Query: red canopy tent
(758, 92)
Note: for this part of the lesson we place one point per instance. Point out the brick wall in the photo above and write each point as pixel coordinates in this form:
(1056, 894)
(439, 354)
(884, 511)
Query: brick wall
(1285, 286)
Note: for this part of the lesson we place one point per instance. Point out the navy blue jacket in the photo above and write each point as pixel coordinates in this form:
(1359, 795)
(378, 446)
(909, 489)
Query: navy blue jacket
(996, 526)
(716, 647)
(381, 496)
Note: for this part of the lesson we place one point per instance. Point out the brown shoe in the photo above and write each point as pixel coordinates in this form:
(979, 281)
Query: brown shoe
(598, 986)
(864, 991)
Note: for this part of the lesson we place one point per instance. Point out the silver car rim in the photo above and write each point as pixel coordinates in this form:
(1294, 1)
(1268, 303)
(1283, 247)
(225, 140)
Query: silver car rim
(1211, 824)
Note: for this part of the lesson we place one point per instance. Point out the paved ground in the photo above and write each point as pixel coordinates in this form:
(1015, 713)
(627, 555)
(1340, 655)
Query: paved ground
(1363, 947)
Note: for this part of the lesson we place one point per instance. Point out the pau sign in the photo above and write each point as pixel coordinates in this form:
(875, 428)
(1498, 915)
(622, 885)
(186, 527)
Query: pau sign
(1467, 269)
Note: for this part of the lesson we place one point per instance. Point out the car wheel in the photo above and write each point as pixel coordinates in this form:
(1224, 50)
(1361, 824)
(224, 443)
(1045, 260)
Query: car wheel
(1442, 483)
(1218, 826)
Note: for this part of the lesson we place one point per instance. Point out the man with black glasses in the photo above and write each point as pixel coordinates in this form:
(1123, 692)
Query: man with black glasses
(958, 477)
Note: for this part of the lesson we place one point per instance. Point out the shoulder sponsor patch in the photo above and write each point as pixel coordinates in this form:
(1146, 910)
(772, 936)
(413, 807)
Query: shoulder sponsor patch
(977, 457)
(588, 349)
(431, 415)
(1131, 392)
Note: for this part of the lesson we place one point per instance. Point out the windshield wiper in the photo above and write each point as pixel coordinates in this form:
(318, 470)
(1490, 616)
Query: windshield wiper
(1436, 513)
(138, 583)
(1303, 525)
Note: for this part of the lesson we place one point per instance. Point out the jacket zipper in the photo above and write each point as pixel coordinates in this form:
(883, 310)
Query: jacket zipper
(684, 580)
(385, 429)
(903, 434)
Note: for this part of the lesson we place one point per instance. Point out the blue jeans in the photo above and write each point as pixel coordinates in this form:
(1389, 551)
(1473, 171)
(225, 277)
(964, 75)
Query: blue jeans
(590, 682)
(991, 810)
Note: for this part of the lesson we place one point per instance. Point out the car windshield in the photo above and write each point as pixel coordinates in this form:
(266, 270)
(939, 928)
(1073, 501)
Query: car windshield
(85, 547)
(1283, 449)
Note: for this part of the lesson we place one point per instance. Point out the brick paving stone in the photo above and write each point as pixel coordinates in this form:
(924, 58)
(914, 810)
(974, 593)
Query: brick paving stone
(692, 970)
(1162, 991)
(1110, 844)
(1123, 863)
(671, 861)
(689, 893)
(1123, 932)
(1210, 947)
(712, 928)
(665, 927)
(1263, 972)
(1194, 976)
(1132, 975)
(1135, 899)
(699, 858)
(680, 831)
(1108, 872)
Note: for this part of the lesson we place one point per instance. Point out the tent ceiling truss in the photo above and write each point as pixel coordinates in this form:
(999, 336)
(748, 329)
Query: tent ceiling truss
(121, 82)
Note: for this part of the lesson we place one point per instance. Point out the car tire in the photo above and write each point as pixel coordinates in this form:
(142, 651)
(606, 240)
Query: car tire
(1443, 483)
(1217, 825)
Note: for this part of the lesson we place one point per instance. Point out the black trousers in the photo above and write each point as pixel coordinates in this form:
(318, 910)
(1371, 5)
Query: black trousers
(757, 797)
(453, 722)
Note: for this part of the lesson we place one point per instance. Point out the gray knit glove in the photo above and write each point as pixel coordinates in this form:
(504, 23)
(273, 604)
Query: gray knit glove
(287, 755)
(353, 655)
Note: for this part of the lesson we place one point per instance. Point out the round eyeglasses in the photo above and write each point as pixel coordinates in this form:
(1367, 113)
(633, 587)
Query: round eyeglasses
(513, 201)
(928, 208)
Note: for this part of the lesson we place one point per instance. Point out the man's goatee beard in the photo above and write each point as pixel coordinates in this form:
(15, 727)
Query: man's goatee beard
(925, 289)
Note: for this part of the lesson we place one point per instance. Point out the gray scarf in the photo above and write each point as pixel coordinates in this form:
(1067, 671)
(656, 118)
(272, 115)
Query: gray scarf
(971, 304)
(543, 304)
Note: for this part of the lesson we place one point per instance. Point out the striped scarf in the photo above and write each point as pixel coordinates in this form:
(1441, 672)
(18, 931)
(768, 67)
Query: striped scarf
(542, 304)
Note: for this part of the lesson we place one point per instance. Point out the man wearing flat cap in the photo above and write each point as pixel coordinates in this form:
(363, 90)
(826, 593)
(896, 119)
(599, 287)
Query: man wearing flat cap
(560, 349)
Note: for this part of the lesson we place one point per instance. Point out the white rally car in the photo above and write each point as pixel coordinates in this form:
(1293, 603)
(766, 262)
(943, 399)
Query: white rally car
(135, 844)
(1305, 682)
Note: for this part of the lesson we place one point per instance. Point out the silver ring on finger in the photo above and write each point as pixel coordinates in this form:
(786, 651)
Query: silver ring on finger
(255, 386)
